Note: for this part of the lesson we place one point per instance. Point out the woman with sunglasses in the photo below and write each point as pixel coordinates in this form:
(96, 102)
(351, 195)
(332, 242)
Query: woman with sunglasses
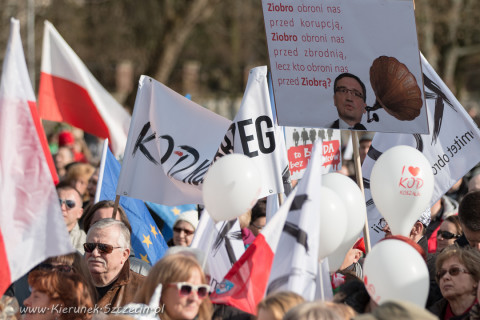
(449, 231)
(458, 274)
(184, 288)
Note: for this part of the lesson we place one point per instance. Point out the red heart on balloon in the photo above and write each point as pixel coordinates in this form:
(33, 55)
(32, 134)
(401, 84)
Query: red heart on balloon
(179, 153)
(414, 170)
(365, 280)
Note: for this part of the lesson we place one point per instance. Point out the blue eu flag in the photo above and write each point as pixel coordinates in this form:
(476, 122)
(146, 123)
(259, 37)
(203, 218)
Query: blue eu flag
(147, 241)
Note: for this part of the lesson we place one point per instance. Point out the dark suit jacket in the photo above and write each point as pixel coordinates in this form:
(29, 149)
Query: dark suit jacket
(336, 125)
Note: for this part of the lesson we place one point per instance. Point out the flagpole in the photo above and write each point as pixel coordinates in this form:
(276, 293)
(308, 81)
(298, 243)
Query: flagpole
(358, 175)
(115, 206)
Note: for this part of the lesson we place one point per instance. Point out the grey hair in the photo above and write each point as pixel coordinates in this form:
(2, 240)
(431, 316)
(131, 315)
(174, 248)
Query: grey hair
(124, 239)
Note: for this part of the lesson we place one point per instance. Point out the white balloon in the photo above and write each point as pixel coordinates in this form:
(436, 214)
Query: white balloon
(354, 201)
(394, 270)
(401, 184)
(333, 222)
(231, 187)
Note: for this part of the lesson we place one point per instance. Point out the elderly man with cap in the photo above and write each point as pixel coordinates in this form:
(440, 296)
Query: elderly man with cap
(184, 228)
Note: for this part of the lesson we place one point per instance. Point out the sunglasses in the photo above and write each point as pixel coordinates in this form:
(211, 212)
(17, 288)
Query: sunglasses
(447, 235)
(185, 289)
(69, 203)
(187, 232)
(52, 267)
(454, 271)
(102, 247)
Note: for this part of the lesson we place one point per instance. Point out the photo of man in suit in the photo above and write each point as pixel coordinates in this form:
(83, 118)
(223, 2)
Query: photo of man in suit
(350, 100)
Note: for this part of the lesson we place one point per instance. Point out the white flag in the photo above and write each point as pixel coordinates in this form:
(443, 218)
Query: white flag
(295, 266)
(254, 133)
(452, 147)
(222, 243)
(171, 144)
(31, 224)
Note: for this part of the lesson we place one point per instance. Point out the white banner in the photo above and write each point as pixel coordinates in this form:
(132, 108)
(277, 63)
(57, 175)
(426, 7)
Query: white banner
(300, 142)
(171, 143)
(312, 42)
(254, 133)
(452, 148)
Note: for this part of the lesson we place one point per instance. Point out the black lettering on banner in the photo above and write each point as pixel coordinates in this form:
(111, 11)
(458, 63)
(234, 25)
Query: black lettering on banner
(270, 135)
(244, 138)
(170, 147)
(142, 140)
(196, 176)
(193, 152)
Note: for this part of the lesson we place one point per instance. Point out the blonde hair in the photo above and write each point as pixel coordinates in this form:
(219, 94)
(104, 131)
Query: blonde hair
(469, 257)
(318, 310)
(279, 302)
(173, 268)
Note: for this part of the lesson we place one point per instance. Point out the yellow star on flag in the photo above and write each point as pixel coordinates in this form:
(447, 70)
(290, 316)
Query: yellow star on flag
(146, 240)
(144, 258)
(152, 230)
(176, 211)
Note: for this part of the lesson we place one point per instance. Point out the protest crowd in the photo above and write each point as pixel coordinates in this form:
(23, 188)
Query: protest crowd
(248, 255)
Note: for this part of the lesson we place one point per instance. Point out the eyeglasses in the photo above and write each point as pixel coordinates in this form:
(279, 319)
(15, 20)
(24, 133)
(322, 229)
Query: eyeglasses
(69, 203)
(454, 271)
(53, 267)
(185, 289)
(257, 227)
(187, 232)
(102, 247)
(344, 90)
(447, 235)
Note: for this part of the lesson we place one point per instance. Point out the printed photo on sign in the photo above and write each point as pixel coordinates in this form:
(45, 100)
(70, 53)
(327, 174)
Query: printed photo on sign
(299, 142)
(346, 65)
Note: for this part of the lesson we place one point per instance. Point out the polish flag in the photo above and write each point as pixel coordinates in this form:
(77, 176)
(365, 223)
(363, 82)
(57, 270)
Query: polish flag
(245, 284)
(70, 93)
(31, 224)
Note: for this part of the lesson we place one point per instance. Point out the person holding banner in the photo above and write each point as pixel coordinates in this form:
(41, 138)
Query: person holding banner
(349, 97)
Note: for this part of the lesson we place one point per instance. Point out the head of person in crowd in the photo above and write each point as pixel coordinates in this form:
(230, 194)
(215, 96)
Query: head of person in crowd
(276, 304)
(349, 98)
(457, 275)
(397, 309)
(469, 215)
(9, 308)
(259, 216)
(364, 143)
(449, 231)
(418, 231)
(72, 262)
(104, 210)
(184, 288)
(71, 204)
(92, 184)
(318, 310)
(78, 175)
(474, 181)
(56, 291)
(184, 228)
(107, 250)
(62, 158)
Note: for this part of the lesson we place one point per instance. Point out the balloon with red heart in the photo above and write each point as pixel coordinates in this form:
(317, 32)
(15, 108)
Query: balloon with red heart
(402, 185)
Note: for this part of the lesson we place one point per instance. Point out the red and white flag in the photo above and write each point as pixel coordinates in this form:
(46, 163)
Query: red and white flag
(295, 267)
(452, 147)
(31, 224)
(245, 284)
(70, 93)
